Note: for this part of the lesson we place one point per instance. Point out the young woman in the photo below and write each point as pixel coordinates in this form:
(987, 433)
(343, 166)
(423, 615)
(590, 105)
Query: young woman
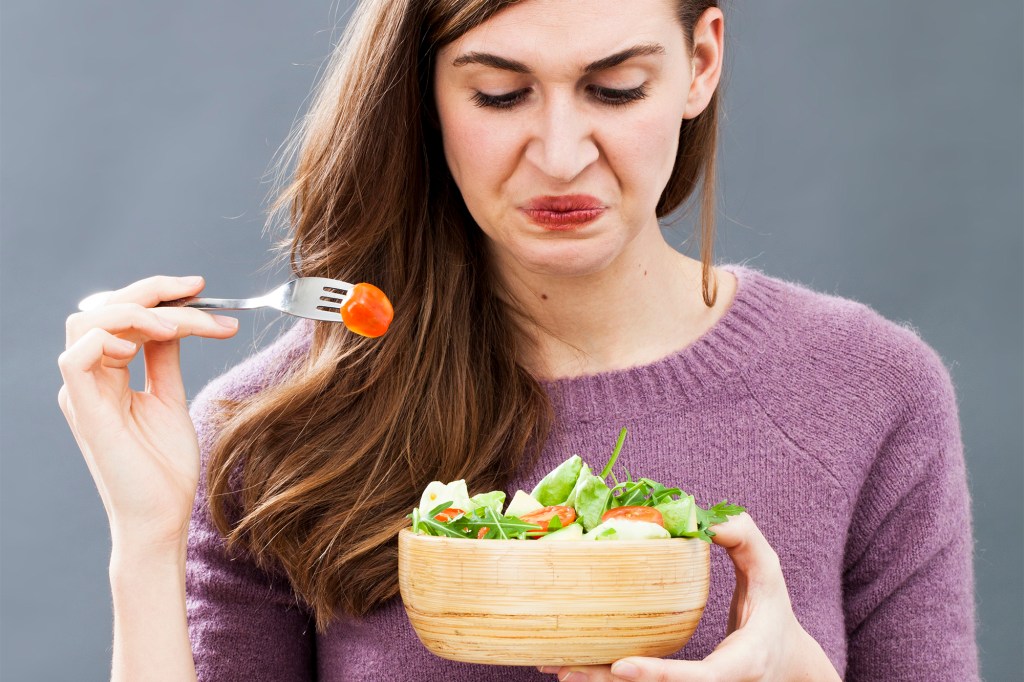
(499, 169)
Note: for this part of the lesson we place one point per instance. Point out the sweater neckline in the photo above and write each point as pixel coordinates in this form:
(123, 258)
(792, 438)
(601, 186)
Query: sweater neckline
(727, 347)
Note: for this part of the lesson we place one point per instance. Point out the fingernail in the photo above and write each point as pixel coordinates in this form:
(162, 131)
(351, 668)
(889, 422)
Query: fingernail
(192, 281)
(226, 321)
(124, 345)
(167, 324)
(625, 670)
(574, 677)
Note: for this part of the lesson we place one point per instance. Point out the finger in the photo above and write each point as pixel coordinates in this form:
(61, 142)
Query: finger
(163, 358)
(142, 324)
(152, 290)
(654, 670)
(62, 399)
(579, 673)
(87, 353)
(750, 552)
(119, 318)
(163, 370)
(78, 362)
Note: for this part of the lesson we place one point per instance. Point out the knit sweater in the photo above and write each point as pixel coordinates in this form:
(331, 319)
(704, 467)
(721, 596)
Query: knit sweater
(835, 428)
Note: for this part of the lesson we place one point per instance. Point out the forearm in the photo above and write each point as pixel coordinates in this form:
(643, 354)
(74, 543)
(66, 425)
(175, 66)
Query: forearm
(151, 639)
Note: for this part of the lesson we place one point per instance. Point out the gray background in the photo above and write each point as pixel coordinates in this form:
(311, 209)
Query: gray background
(871, 149)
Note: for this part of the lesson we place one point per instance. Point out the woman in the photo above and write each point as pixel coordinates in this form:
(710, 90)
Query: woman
(499, 168)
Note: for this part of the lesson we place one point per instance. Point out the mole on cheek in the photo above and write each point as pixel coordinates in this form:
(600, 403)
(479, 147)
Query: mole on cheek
(543, 297)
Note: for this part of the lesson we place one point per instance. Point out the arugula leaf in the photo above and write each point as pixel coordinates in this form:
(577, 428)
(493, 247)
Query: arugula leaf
(723, 510)
(437, 528)
(439, 508)
(431, 526)
(497, 527)
(615, 453)
(660, 493)
(554, 524)
(633, 494)
(714, 515)
(642, 492)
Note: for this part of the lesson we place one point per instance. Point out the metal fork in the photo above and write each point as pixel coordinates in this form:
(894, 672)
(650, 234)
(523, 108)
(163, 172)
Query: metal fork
(318, 298)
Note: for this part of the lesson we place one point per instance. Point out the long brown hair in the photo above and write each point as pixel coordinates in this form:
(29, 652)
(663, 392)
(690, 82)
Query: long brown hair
(313, 476)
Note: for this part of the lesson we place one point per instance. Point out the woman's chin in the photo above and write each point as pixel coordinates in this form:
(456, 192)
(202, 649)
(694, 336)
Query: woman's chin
(563, 260)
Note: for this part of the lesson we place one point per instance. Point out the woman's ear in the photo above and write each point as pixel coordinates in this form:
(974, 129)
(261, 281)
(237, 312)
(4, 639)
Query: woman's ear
(706, 62)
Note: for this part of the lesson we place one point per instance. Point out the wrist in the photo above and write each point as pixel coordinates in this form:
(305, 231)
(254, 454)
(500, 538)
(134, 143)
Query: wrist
(143, 547)
(134, 560)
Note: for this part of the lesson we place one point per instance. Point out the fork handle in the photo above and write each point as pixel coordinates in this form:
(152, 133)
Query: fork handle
(212, 303)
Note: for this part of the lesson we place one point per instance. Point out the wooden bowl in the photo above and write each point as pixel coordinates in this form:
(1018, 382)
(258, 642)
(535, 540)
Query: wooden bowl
(525, 602)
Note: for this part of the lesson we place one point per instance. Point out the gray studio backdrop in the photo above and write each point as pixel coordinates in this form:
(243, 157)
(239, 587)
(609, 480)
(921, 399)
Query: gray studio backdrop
(871, 149)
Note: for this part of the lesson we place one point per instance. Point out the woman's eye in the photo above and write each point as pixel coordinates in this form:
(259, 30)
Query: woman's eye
(618, 97)
(604, 95)
(505, 101)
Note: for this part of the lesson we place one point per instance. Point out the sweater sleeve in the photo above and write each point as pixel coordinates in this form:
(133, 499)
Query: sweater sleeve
(908, 575)
(244, 623)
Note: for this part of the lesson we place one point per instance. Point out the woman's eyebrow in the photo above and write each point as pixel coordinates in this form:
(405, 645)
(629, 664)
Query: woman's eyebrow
(505, 64)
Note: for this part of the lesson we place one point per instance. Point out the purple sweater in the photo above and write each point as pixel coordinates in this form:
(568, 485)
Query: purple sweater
(836, 428)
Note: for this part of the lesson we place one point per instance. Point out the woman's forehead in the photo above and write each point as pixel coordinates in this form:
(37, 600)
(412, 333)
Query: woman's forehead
(569, 33)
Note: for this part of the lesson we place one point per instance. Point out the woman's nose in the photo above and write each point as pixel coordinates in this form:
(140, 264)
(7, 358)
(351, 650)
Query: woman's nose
(562, 141)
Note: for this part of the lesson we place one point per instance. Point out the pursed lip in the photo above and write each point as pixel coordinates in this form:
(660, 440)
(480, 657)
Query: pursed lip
(564, 212)
(564, 203)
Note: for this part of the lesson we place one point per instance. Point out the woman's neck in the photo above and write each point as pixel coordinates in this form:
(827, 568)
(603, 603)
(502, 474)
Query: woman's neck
(646, 305)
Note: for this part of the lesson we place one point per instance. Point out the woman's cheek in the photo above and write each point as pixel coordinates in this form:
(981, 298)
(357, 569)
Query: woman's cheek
(480, 151)
(642, 153)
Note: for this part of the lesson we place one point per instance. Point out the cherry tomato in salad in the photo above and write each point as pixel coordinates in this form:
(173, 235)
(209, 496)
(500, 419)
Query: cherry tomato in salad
(482, 532)
(367, 311)
(542, 517)
(637, 513)
(449, 514)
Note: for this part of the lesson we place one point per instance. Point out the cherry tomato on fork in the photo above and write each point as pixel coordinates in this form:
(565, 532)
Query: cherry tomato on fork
(367, 311)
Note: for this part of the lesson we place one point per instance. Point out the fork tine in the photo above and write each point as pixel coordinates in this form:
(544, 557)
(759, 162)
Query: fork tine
(329, 284)
(333, 291)
(319, 298)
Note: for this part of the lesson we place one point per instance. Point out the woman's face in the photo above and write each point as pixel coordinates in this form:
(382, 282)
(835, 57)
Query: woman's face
(566, 99)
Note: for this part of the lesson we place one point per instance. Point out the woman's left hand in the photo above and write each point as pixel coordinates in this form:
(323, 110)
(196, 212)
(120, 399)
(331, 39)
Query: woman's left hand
(764, 639)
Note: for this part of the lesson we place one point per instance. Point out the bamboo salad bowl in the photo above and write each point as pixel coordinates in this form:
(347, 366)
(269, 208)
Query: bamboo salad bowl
(531, 603)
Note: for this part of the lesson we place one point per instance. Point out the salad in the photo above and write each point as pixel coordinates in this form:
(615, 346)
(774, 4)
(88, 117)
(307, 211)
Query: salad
(570, 503)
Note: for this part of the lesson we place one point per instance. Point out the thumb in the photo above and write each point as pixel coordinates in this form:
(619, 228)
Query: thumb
(657, 670)
(731, 660)
(753, 557)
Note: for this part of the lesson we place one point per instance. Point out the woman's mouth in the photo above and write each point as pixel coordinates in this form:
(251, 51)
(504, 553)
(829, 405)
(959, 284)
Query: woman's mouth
(565, 212)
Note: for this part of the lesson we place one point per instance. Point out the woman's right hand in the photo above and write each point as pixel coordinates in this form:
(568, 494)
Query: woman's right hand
(140, 446)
